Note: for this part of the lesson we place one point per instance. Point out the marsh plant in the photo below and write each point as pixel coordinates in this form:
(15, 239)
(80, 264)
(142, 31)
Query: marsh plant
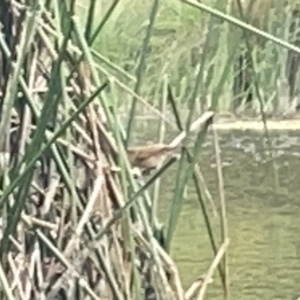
(76, 222)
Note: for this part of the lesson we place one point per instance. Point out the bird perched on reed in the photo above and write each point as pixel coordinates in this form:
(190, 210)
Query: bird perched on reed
(148, 157)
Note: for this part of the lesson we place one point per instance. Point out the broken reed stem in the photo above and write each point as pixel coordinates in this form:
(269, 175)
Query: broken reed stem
(212, 268)
(205, 190)
(195, 287)
(206, 117)
(168, 265)
(5, 284)
(224, 226)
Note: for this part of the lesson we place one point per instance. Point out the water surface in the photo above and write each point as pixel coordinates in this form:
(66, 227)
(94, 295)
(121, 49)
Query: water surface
(263, 218)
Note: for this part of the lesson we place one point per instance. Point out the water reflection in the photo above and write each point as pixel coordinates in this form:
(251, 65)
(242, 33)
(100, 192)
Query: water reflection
(263, 218)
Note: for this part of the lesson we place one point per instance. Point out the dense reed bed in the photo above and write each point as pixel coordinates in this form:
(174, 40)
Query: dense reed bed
(75, 222)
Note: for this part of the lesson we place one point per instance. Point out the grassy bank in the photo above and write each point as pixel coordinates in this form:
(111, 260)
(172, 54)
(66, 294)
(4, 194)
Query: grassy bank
(184, 40)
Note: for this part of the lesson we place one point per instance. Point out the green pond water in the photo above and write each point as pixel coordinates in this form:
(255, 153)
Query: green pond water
(263, 220)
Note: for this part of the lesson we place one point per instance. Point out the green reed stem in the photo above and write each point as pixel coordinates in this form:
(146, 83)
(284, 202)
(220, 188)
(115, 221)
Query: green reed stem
(224, 226)
(140, 69)
(242, 25)
(32, 16)
(261, 102)
(103, 22)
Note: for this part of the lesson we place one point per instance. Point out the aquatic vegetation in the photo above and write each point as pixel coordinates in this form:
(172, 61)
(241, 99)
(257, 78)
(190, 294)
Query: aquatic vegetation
(75, 221)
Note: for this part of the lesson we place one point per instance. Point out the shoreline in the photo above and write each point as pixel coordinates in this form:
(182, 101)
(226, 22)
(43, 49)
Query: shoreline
(227, 124)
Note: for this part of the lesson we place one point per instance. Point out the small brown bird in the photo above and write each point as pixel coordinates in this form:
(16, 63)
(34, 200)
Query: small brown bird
(149, 156)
